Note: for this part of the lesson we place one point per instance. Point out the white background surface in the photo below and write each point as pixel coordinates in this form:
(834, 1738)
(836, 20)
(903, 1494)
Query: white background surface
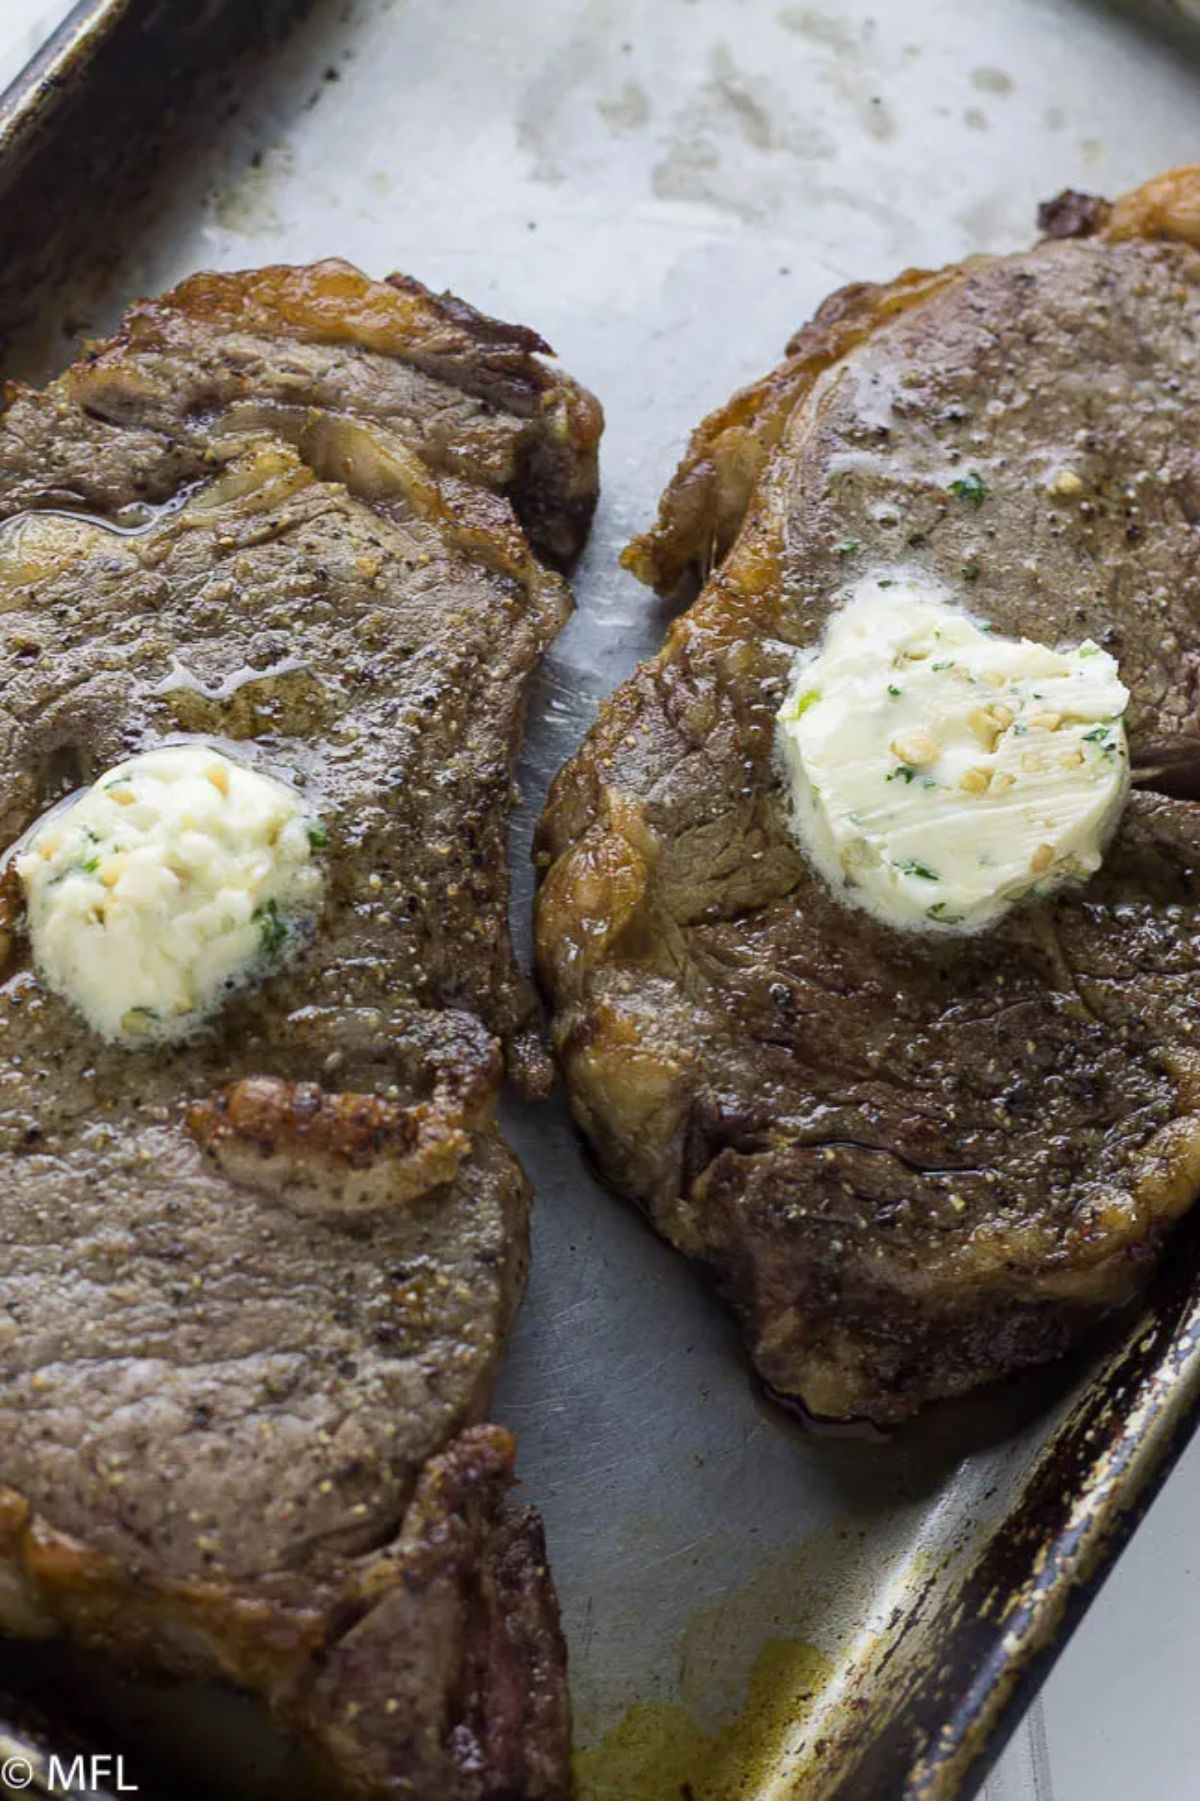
(24, 24)
(1118, 1719)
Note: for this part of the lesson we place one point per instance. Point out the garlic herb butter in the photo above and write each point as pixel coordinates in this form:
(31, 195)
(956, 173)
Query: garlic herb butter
(939, 772)
(176, 877)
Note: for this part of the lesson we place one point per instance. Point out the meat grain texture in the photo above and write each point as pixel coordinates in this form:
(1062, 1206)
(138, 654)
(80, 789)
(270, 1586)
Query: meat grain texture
(914, 1163)
(257, 1287)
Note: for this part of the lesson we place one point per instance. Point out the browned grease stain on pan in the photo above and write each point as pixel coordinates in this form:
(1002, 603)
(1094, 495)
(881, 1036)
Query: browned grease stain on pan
(660, 1752)
(749, 1682)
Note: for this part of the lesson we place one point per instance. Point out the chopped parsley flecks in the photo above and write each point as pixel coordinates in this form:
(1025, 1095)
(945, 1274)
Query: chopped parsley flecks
(945, 665)
(849, 547)
(938, 911)
(318, 837)
(911, 866)
(903, 772)
(88, 867)
(272, 928)
(805, 701)
(1102, 736)
(893, 690)
(970, 487)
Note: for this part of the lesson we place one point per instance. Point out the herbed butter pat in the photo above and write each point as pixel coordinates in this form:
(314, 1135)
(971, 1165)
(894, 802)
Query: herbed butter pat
(939, 772)
(171, 881)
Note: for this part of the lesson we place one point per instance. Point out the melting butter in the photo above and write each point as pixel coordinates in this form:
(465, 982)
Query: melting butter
(171, 881)
(938, 772)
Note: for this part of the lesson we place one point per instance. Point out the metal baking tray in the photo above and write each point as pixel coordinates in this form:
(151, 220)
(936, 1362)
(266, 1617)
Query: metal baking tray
(754, 1609)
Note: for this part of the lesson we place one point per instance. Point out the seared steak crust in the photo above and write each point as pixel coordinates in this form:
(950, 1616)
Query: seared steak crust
(468, 394)
(914, 1163)
(257, 1286)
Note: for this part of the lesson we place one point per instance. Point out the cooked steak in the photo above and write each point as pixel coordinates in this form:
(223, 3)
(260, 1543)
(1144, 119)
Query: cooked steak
(914, 1162)
(257, 1286)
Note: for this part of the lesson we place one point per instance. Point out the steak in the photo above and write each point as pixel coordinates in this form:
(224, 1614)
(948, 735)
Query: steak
(915, 1163)
(257, 1285)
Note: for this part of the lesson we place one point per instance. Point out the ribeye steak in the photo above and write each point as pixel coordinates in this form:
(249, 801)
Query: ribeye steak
(914, 1162)
(240, 1420)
